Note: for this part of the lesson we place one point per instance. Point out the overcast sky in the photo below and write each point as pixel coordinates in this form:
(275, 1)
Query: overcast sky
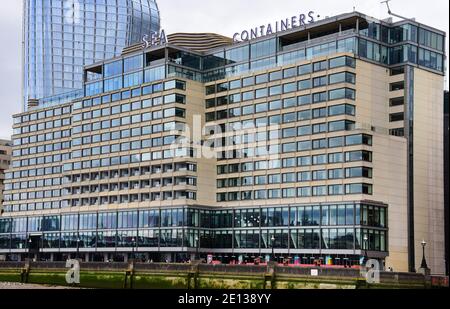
(224, 17)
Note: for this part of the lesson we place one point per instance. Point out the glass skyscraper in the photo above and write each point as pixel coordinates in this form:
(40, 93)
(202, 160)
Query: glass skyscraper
(61, 36)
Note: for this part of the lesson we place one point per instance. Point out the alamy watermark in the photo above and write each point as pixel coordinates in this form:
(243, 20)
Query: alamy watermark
(371, 271)
(73, 275)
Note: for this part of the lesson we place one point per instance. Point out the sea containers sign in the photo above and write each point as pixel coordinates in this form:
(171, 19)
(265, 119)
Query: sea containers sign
(268, 29)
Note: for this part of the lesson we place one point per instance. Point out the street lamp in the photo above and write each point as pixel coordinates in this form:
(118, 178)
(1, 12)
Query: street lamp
(196, 247)
(29, 248)
(366, 240)
(78, 247)
(424, 261)
(133, 240)
(273, 244)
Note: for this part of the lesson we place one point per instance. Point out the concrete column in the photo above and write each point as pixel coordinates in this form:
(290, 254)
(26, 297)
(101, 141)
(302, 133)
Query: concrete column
(105, 257)
(86, 257)
(52, 257)
(125, 257)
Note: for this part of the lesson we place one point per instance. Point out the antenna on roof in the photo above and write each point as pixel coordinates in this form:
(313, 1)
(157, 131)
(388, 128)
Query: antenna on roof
(393, 14)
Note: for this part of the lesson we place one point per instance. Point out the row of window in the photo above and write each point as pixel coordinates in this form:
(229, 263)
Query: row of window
(119, 160)
(349, 239)
(332, 142)
(278, 75)
(105, 200)
(309, 215)
(322, 159)
(305, 176)
(273, 135)
(59, 111)
(342, 77)
(294, 239)
(277, 105)
(127, 159)
(108, 136)
(127, 120)
(331, 190)
(155, 88)
(54, 124)
(106, 124)
(155, 182)
(335, 94)
(331, 111)
(125, 81)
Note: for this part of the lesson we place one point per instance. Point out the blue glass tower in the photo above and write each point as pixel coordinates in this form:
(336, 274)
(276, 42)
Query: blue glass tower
(61, 36)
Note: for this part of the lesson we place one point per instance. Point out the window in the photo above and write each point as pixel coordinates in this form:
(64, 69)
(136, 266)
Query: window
(396, 117)
(277, 75)
(319, 191)
(264, 48)
(343, 109)
(342, 93)
(358, 140)
(289, 102)
(304, 130)
(336, 173)
(249, 95)
(343, 77)
(354, 156)
(290, 117)
(304, 115)
(431, 39)
(248, 81)
(235, 84)
(397, 101)
(304, 100)
(319, 128)
(319, 66)
(274, 90)
(397, 86)
(336, 142)
(342, 125)
(114, 68)
(304, 84)
(320, 81)
(274, 105)
(287, 73)
(260, 93)
(263, 78)
(291, 87)
(133, 63)
(304, 69)
(320, 97)
(358, 189)
(358, 172)
(319, 112)
(342, 61)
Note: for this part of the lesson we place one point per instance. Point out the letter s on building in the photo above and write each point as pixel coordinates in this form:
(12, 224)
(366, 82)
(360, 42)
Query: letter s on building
(311, 17)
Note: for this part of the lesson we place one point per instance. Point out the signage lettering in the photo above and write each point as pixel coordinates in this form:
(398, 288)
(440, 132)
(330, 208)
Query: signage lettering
(154, 39)
(282, 25)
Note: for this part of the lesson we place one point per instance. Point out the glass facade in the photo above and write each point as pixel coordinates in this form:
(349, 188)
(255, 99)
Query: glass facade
(61, 36)
(305, 227)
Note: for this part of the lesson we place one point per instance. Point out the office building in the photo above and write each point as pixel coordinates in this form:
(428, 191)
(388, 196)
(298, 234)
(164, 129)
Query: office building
(318, 142)
(5, 161)
(61, 36)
